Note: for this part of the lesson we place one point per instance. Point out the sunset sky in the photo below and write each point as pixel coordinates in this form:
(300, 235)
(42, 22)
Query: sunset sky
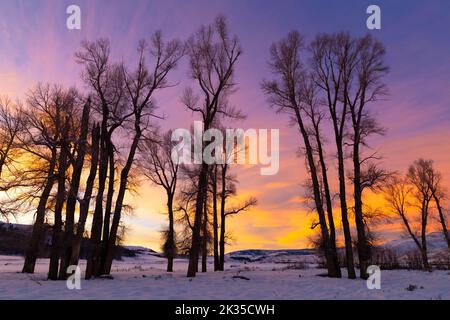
(35, 45)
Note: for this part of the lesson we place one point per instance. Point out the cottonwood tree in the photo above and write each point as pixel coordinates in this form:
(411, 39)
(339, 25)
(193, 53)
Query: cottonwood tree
(12, 175)
(84, 202)
(228, 190)
(141, 85)
(219, 190)
(205, 233)
(399, 194)
(158, 165)
(411, 196)
(123, 100)
(212, 54)
(76, 160)
(106, 83)
(311, 106)
(214, 180)
(285, 94)
(60, 197)
(218, 202)
(332, 69)
(47, 116)
(419, 177)
(222, 188)
(185, 207)
(68, 118)
(434, 180)
(366, 88)
(12, 124)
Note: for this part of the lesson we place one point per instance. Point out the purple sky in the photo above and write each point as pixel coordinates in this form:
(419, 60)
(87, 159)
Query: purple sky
(35, 45)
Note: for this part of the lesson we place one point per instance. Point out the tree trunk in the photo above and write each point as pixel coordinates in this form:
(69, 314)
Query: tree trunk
(331, 267)
(73, 193)
(171, 234)
(442, 220)
(38, 227)
(108, 206)
(93, 262)
(196, 237)
(344, 213)
(57, 228)
(332, 239)
(223, 217)
(338, 120)
(215, 221)
(424, 254)
(363, 247)
(424, 250)
(119, 202)
(200, 200)
(84, 203)
(222, 243)
(205, 237)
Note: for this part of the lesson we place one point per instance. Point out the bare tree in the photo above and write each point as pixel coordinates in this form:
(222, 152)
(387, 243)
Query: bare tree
(185, 207)
(140, 85)
(311, 107)
(106, 82)
(433, 179)
(366, 89)
(212, 57)
(160, 168)
(398, 193)
(66, 117)
(285, 93)
(12, 123)
(417, 177)
(214, 189)
(224, 214)
(13, 177)
(333, 64)
(41, 140)
(85, 201)
(60, 198)
(80, 146)
(205, 233)
(438, 196)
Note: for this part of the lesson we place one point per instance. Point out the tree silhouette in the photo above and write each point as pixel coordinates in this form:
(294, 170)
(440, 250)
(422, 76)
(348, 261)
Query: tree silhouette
(212, 57)
(286, 95)
(158, 165)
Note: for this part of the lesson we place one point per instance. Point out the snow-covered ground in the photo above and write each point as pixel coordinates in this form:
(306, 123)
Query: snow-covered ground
(144, 277)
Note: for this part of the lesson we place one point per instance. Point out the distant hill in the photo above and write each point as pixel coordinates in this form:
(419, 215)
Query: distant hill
(16, 226)
(435, 241)
(273, 256)
(437, 247)
(14, 239)
(134, 251)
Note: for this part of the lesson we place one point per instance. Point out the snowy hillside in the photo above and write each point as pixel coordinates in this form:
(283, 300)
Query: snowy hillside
(133, 251)
(273, 256)
(15, 226)
(437, 248)
(435, 241)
